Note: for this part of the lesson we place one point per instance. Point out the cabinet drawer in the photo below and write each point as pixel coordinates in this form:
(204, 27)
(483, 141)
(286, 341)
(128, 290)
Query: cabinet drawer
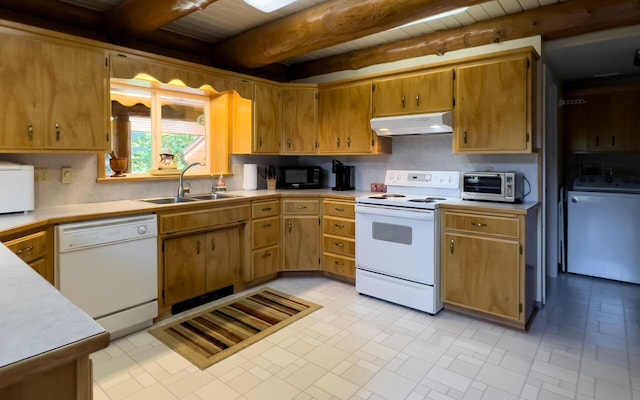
(487, 224)
(335, 244)
(301, 207)
(29, 247)
(339, 209)
(342, 227)
(265, 209)
(340, 265)
(266, 262)
(265, 232)
(193, 220)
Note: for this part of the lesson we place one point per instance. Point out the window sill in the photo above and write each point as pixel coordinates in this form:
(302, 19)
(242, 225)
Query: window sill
(149, 177)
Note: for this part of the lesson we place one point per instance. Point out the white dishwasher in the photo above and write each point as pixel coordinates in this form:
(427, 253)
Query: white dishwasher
(108, 268)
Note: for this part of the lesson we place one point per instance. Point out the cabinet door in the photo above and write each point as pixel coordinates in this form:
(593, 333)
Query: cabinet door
(76, 92)
(222, 258)
(184, 268)
(21, 98)
(420, 93)
(267, 119)
(344, 115)
(482, 274)
(300, 247)
(265, 262)
(299, 110)
(492, 107)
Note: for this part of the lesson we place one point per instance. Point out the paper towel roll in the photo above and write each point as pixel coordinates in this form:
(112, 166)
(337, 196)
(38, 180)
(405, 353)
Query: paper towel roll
(250, 177)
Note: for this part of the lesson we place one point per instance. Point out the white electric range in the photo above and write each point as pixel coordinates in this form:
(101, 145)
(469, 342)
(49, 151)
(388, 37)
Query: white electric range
(397, 238)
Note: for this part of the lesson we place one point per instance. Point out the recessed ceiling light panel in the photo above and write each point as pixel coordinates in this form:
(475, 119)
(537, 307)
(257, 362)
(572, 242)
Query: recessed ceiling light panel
(268, 6)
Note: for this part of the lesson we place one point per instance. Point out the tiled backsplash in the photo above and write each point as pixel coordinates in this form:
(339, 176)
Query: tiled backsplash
(423, 152)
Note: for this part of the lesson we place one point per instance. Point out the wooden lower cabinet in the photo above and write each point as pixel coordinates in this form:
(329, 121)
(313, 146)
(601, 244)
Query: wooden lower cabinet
(201, 263)
(34, 249)
(339, 229)
(488, 265)
(301, 234)
(200, 251)
(265, 239)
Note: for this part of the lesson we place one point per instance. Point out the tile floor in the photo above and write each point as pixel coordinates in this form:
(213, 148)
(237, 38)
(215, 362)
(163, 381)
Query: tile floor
(585, 344)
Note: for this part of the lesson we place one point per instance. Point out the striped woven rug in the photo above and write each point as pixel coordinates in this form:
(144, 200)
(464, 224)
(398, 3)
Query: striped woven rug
(216, 333)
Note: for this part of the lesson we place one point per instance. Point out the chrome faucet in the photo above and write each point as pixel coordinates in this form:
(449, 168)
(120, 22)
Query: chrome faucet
(182, 190)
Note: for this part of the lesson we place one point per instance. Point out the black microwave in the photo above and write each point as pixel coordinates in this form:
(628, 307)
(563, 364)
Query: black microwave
(299, 177)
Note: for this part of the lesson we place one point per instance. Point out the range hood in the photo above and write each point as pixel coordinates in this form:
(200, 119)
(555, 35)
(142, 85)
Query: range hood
(416, 124)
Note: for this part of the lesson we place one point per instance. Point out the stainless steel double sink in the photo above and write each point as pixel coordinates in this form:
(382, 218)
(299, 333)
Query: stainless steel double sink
(189, 199)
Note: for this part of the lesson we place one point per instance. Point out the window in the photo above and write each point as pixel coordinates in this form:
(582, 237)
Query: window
(150, 118)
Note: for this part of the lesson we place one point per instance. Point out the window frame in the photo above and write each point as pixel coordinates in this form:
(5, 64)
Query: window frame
(213, 100)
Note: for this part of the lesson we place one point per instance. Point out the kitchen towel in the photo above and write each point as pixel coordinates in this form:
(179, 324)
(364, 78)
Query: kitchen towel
(250, 177)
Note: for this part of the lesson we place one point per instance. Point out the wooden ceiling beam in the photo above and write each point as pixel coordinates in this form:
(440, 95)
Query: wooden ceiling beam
(53, 14)
(555, 21)
(137, 17)
(324, 25)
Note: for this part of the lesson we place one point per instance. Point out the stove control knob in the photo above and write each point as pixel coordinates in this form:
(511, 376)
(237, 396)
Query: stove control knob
(625, 180)
(142, 229)
(592, 179)
(427, 178)
(608, 179)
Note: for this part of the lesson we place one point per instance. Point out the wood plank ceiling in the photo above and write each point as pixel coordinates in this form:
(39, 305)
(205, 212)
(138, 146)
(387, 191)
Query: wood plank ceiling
(313, 37)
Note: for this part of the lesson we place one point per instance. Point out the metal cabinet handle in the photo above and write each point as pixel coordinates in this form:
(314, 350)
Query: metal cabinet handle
(478, 224)
(30, 131)
(339, 244)
(597, 140)
(403, 101)
(213, 244)
(57, 132)
(300, 207)
(259, 141)
(451, 246)
(266, 209)
(266, 255)
(339, 209)
(266, 226)
(289, 142)
(339, 226)
(464, 136)
(418, 100)
(338, 262)
(197, 247)
(613, 140)
(289, 225)
(348, 141)
(338, 142)
(25, 250)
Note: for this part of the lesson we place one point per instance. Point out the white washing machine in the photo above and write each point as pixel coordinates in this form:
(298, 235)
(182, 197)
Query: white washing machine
(603, 227)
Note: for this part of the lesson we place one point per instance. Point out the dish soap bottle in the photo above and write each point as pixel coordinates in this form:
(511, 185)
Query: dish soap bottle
(221, 186)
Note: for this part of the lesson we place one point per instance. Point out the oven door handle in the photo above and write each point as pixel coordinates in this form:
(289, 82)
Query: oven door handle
(423, 215)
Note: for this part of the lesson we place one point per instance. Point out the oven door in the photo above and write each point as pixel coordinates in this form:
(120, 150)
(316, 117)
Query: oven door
(395, 241)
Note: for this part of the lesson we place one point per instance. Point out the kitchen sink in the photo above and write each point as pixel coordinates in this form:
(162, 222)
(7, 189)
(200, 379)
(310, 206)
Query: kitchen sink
(169, 200)
(213, 196)
(197, 197)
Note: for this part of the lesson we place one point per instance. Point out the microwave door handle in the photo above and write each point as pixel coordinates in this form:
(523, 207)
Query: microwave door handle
(386, 212)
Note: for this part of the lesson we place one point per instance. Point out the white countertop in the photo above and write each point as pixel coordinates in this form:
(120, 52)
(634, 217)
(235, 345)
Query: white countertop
(36, 318)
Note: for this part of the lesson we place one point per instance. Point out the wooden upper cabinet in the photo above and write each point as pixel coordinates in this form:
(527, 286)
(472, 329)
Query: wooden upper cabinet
(76, 88)
(344, 114)
(299, 115)
(413, 94)
(493, 109)
(267, 119)
(602, 120)
(22, 116)
(54, 96)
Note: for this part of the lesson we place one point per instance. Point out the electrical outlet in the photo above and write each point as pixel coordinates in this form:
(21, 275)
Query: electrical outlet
(67, 175)
(41, 174)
